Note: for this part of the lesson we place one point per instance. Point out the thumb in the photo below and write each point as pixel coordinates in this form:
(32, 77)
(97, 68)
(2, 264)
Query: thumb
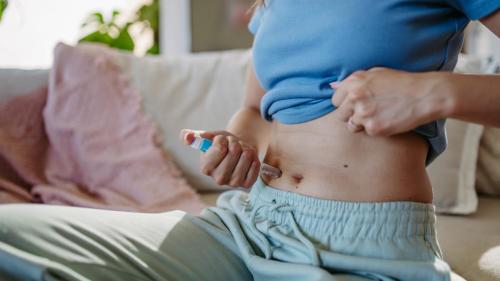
(212, 134)
(187, 135)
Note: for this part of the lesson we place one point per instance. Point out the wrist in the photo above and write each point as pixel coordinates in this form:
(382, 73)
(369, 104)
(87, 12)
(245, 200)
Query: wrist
(247, 125)
(443, 89)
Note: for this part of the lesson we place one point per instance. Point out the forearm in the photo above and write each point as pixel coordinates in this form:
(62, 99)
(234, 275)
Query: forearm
(473, 98)
(248, 125)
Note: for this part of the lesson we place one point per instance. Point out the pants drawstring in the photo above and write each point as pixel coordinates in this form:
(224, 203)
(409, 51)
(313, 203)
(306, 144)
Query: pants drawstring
(266, 245)
(262, 240)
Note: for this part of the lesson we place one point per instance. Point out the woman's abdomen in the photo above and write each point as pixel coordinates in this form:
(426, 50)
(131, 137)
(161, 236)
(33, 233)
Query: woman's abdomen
(321, 158)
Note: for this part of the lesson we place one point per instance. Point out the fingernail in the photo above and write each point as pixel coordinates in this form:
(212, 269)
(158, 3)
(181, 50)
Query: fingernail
(335, 84)
(186, 138)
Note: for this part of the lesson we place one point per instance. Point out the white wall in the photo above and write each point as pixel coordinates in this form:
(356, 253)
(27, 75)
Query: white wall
(31, 28)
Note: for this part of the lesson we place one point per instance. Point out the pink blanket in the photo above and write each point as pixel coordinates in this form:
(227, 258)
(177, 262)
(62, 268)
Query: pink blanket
(92, 146)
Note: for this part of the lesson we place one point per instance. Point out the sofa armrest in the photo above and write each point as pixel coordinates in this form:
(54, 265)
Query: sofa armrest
(16, 82)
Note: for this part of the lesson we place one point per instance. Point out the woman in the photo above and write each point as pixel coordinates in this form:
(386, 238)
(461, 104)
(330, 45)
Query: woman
(353, 199)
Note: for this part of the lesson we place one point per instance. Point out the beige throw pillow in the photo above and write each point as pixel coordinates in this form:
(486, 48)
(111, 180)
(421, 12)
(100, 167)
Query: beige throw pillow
(453, 173)
(488, 164)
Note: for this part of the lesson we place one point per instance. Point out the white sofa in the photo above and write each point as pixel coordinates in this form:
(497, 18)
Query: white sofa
(471, 244)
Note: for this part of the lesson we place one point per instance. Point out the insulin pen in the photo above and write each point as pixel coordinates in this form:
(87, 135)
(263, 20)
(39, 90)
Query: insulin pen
(203, 144)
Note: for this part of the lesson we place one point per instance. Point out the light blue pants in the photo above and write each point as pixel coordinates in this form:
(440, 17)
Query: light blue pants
(265, 235)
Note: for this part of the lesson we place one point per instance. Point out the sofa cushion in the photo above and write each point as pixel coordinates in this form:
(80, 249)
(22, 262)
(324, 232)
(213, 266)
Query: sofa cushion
(488, 163)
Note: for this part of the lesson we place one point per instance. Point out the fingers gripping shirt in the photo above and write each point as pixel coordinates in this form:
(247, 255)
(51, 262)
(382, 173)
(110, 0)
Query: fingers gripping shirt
(301, 46)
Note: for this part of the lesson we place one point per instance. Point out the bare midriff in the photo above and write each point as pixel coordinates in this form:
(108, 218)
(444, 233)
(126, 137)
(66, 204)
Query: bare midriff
(322, 159)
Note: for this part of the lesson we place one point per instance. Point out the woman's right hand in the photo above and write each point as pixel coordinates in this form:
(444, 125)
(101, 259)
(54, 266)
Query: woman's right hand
(229, 161)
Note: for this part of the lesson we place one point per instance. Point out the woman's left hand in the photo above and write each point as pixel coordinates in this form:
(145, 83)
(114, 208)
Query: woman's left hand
(384, 102)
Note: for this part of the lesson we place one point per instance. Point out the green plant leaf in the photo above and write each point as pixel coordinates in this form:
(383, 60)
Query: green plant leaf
(97, 37)
(150, 14)
(94, 18)
(124, 41)
(155, 49)
(98, 17)
(3, 6)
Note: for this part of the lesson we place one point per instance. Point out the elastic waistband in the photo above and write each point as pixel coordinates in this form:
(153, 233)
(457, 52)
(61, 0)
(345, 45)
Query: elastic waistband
(347, 218)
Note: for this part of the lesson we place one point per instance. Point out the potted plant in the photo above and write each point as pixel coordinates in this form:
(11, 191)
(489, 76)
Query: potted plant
(115, 35)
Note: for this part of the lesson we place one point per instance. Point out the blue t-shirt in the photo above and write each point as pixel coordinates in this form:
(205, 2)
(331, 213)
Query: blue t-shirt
(301, 46)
